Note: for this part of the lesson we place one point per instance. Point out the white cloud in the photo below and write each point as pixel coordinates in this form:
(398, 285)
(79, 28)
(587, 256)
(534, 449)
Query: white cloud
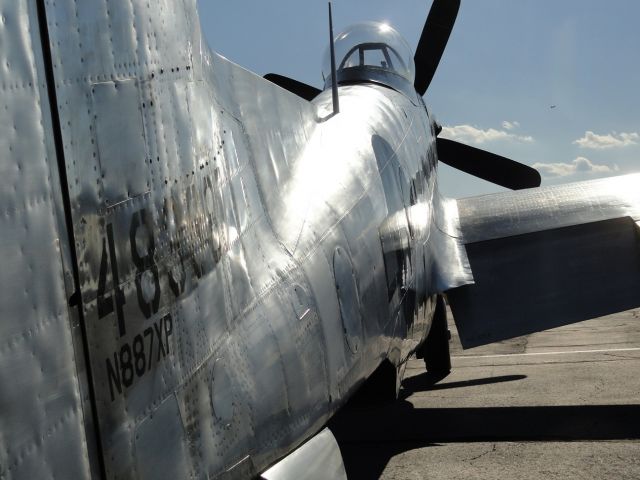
(579, 165)
(471, 134)
(510, 125)
(602, 142)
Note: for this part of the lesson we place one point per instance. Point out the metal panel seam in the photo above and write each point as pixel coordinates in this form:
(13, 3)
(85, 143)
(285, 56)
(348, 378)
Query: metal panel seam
(59, 148)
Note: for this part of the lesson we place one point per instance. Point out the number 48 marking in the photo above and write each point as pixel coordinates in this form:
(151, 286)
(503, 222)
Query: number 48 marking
(144, 263)
(105, 302)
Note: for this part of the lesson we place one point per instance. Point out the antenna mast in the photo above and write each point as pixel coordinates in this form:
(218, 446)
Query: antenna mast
(334, 78)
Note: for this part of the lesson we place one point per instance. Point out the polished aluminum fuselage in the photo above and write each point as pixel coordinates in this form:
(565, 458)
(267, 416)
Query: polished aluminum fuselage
(200, 267)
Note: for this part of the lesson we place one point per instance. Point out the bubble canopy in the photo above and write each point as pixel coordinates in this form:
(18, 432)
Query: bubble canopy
(370, 51)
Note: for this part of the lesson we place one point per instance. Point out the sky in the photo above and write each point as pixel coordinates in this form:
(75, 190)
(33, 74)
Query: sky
(508, 62)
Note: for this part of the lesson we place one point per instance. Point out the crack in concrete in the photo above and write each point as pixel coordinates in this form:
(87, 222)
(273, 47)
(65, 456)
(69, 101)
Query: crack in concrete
(622, 357)
(491, 450)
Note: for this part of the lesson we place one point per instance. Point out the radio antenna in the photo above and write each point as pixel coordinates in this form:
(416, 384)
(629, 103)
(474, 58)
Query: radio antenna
(334, 77)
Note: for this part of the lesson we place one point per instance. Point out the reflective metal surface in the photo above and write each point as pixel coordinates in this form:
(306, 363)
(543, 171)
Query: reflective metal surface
(548, 257)
(319, 459)
(515, 213)
(207, 208)
(201, 267)
(44, 414)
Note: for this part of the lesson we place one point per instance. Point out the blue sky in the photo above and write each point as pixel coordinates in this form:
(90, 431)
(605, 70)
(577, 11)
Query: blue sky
(507, 63)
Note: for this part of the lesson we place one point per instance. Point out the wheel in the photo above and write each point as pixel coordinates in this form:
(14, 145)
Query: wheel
(435, 349)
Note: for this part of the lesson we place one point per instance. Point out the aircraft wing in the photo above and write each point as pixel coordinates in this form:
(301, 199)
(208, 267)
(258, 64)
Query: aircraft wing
(547, 257)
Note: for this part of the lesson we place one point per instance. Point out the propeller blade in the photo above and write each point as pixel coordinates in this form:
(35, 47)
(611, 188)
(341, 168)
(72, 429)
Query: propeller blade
(294, 86)
(433, 41)
(486, 165)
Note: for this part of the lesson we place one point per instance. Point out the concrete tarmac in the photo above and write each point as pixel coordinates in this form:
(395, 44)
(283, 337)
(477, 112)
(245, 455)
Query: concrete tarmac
(558, 404)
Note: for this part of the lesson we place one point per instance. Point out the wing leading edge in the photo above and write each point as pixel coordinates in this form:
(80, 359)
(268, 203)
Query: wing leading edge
(548, 257)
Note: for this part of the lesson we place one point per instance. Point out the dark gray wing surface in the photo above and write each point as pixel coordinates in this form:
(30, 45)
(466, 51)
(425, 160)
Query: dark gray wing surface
(547, 257)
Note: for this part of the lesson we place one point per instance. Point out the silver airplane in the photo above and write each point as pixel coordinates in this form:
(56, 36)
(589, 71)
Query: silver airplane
(200, 267)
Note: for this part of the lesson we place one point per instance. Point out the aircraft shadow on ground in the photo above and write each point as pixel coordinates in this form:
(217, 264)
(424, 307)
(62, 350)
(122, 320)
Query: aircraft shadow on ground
(428, 381)
(370, 435)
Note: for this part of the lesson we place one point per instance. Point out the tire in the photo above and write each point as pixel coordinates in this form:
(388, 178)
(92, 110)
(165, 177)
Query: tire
(435, 349)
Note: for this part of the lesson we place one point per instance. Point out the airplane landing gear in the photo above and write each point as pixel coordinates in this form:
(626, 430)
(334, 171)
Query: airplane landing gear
(435, 349)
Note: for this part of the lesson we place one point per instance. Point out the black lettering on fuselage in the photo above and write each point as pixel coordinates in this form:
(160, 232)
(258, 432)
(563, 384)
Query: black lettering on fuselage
(133, 360)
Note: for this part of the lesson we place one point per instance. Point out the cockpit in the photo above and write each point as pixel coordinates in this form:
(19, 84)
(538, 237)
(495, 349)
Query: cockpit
(371, 52)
